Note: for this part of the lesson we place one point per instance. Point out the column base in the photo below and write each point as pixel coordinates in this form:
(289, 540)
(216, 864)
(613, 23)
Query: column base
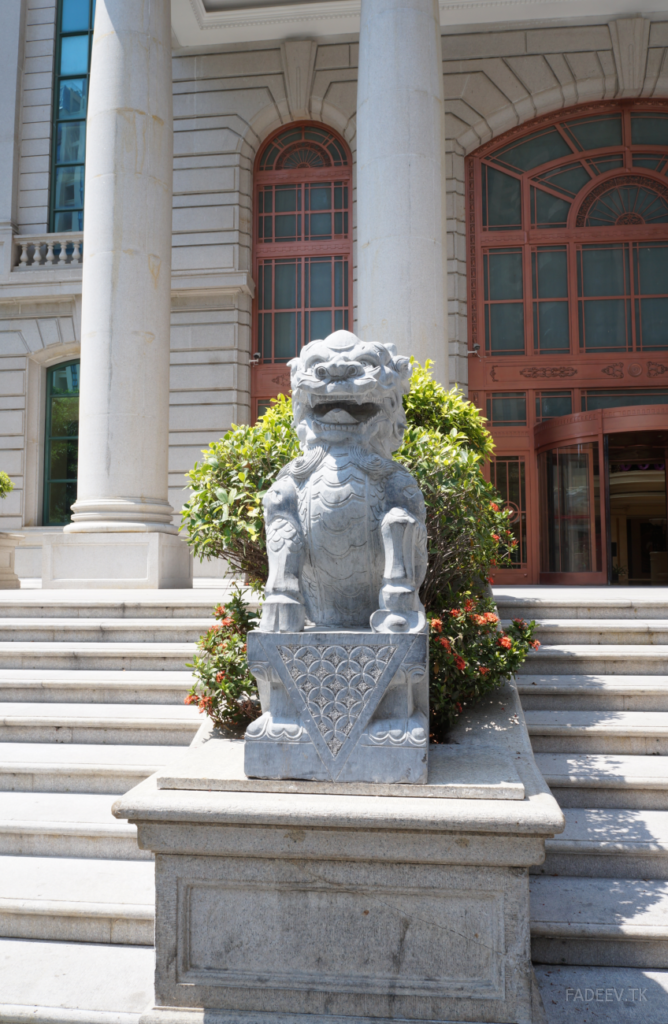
(115, 561)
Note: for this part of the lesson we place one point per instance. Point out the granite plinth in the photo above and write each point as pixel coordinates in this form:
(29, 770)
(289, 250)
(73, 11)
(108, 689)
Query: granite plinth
(292, 907)
(217, 764)
(339, 706)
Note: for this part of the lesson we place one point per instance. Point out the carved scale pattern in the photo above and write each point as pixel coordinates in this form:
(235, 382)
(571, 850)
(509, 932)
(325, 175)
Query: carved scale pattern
(336, 684)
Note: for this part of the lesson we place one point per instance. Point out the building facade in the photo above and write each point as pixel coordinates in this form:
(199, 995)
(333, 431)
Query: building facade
(487, 189)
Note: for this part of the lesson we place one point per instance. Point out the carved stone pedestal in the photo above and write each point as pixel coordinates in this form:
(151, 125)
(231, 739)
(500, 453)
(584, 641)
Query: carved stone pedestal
(315, 907)
(339, 705)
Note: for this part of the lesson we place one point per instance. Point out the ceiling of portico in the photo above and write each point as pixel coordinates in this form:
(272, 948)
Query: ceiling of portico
(215, 22)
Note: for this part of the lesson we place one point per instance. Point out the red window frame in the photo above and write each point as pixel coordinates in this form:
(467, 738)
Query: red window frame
(270, 376)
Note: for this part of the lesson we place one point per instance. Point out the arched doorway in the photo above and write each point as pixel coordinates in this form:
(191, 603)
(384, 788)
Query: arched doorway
(302, 250)
(568, 317)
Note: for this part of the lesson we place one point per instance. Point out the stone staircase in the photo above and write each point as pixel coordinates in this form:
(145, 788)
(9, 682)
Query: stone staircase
(596, 702)
(91, 702)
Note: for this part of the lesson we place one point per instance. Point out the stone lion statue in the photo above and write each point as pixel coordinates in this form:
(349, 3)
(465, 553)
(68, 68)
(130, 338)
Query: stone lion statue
(345, 523)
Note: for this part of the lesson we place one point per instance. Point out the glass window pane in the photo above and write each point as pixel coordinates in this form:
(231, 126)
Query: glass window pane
(547, 210)
(629, 204)
(68, 221)
(649, 129)
(63, 459)
(285, 328)
(537, 149)
(285, 282)
(653, 269)
(320, 291)
(603, 270)
(64, 417)
(506, 323)
(73, 98)
(605, 327)
(71, 143)
(287, 227)
(509, 409)
(76, 15)
(553, 403)
(287, 198)
(60, 498)
(501, 203)
(320, 325)
(597, 132)
(551, 278)
(653, 327)
(65, 379)
(505, 274)
(567, 179)
(618, 398)
(69, 187)
(320, 225)
(320, 197)
(552, 327)
(74, 55)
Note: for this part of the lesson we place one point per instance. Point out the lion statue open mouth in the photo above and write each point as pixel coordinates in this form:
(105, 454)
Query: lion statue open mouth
(346, 539)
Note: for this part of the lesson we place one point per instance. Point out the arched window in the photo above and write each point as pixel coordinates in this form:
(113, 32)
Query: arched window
(61, 448)
(302, 250)
(572, 229)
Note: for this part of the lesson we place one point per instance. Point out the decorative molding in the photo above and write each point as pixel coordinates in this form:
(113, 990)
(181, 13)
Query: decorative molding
(282, 380)
(656, 369)
(614, 370)
(619, 181)
(298, 60)
(630, 42)
(634, 369)
(548, 372)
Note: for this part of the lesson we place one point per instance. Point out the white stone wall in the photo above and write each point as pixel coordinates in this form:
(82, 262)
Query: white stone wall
(226, 102)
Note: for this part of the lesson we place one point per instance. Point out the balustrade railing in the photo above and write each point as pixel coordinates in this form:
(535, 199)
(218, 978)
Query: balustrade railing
(49, 251)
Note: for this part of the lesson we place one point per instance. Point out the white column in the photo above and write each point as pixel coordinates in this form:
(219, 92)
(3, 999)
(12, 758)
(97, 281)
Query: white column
(401, 289)
(121, 532)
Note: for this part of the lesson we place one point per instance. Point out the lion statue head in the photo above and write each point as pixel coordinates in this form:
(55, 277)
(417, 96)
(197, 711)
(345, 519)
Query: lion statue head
(348, 390)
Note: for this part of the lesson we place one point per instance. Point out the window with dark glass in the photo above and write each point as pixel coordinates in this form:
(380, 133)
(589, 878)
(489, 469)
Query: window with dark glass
(579, 209)
(61, 449)
(507, 409)
(614, 399)
(303, 241)
(508, 474)
(72, 67)
(550, 404)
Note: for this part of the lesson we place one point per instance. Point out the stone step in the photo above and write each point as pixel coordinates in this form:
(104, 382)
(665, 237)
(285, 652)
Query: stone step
(72, 686)
(77, 900)
(79, 768)
(134, 657)
(613, 843)
(598, 732)
(591, 693)
(582, 602)
(145, 724)
(116, 604)
(73, 983)
(602, 995)
(599, 921)
(592, 631)
(107, 630)
(65, 825)
(595, 659)
(606, 781)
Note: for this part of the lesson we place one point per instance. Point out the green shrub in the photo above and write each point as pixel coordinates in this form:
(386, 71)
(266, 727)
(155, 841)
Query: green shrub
(6, 485)
(468, 534)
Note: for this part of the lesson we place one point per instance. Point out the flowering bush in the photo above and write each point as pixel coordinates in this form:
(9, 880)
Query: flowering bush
(469, 656)
(224, 689)
(6, 484)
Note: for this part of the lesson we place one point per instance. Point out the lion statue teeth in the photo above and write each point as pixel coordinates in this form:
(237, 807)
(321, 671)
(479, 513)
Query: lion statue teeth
(345, 523)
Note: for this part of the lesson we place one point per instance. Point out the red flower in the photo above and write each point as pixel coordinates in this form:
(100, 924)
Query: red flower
(491, 617)
(459, 662)
(469, 606)
(496, 537)
(483, 670)
(505, 641)
(436, 625)
(219, 610)
(220, 676)
(444, 642)
(455, 612)
(490, 579)
(494, 507)
(480, 620)
(191, 699)
(520, 622)
(227, 622)
(535, 644)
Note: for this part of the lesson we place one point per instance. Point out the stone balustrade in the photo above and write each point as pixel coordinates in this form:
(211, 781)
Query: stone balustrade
(49, 250)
